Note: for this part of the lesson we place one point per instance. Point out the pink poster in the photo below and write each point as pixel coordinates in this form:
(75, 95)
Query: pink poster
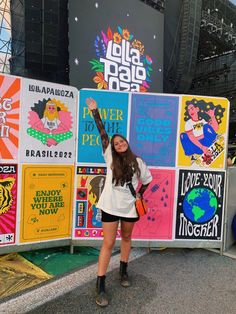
(157, 224)
(8, 198)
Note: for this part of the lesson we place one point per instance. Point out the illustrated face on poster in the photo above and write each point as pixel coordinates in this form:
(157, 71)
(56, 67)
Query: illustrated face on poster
(46, 204)
(8, 203)
(202, 138)
(48, 122)
(9, 117)
(90, 184)
(153, 128)
(113, 108)
(157, 223)
(200, 205)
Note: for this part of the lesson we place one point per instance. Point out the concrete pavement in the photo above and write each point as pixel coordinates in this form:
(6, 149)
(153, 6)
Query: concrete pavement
(174, 281)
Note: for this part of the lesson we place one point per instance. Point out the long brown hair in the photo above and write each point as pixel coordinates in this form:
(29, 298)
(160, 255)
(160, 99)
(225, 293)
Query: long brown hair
(124, 165)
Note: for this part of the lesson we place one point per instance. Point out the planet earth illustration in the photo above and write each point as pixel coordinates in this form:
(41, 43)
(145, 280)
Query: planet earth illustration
(200, 205)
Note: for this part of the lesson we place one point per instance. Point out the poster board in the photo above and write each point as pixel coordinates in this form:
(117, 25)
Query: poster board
(8, 203)
(158, 129)
(48, 122)
(208, 117)
(155, 125)
(9, 117)
(114, 112)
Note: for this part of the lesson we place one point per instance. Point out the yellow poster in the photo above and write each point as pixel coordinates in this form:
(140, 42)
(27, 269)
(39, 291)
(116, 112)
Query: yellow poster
(46, 202)
(203, 132)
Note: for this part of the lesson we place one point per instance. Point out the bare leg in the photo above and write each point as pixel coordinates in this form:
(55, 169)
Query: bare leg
(109, 232)
(126, 232)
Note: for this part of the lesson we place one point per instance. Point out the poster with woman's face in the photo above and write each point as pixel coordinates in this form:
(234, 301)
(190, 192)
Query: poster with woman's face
(202, 135)
(48, 122)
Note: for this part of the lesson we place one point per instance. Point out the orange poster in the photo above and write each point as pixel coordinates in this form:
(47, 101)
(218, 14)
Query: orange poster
(46, 202)
(9, 117)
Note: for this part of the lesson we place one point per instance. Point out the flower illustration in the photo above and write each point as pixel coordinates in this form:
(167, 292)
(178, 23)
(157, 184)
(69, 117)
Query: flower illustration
(99, 80)
(138, 45)
(148, 59)
(100, 47)
(117, 38)
(126, 34)
(143, 89)
(207, 159)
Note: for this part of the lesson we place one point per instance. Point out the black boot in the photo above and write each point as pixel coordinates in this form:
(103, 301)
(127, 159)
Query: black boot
(124, 279)
(101, 299)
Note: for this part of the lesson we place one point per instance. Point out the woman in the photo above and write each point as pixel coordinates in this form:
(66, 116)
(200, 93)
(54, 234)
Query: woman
(116, 201)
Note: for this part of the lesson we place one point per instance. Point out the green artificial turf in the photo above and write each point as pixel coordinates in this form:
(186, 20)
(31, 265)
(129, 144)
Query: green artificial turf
(58, 261)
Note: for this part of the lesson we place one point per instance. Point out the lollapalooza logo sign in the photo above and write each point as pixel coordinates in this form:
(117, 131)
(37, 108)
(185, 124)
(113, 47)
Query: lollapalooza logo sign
(121, 63)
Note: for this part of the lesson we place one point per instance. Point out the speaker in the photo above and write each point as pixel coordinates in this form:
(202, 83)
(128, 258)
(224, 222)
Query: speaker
(46, 39)
(17, 60)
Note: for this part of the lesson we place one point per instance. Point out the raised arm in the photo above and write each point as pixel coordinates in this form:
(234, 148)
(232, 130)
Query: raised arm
(92, 105)
(142, 190)
(145, 177)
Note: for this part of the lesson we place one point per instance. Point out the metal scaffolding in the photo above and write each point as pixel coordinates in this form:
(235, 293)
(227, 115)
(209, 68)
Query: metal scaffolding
(5, 36)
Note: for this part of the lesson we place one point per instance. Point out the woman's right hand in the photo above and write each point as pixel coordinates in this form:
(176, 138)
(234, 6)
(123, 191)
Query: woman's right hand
(91, 103)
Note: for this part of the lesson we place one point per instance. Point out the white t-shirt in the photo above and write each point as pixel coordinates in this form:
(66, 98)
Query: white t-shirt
(195, 126)
(50, 124)
(118, 200)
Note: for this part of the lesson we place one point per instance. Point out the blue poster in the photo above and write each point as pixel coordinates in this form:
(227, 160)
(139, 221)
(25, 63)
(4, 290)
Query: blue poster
(113, 108)
(153, 128)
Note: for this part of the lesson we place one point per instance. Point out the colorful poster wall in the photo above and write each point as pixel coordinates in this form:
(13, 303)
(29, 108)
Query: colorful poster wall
(113, 108)
(153, 127)
(46, 202)
(48, 122)
(200, 205)
(46, 134)
(8, 203)
(185, 203)
(203, 132)
(9, 117)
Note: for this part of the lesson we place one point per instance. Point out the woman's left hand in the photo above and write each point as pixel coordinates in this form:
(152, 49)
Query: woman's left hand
(91, 103)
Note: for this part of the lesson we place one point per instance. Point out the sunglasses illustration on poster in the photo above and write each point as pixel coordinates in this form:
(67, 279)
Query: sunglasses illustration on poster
(47, 122)
(200, 205)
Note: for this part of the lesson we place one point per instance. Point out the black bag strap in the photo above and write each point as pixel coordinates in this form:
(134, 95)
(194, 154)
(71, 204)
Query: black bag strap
(132, 190)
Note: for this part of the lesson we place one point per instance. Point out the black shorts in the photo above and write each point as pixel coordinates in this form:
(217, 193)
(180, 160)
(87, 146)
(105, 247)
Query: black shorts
(111, 218)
